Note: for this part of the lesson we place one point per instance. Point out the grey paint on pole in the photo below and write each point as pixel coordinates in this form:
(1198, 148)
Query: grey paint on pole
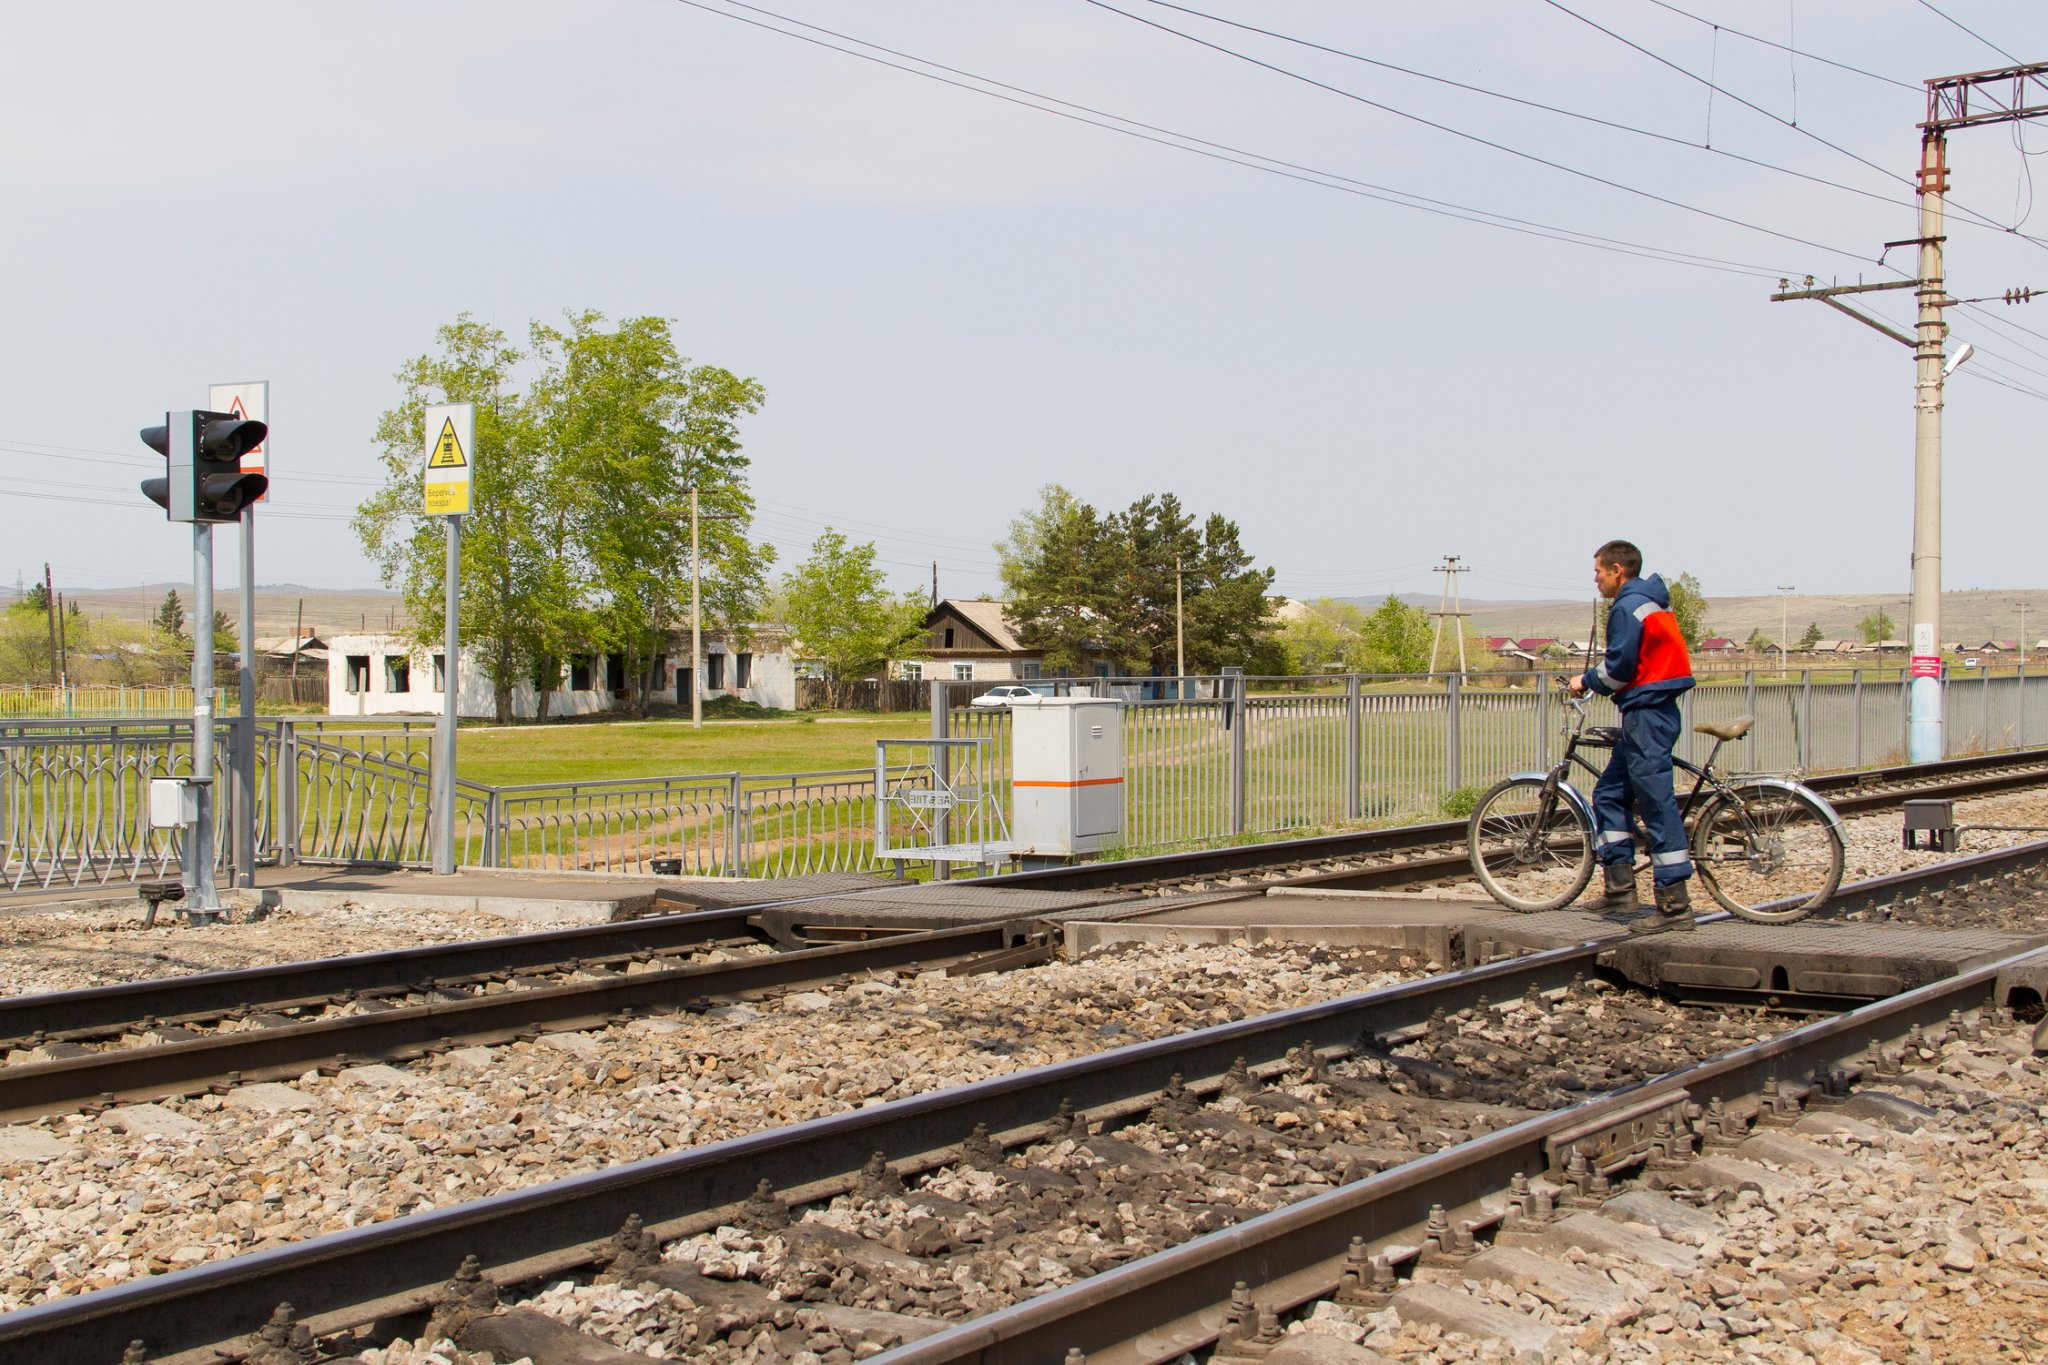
(450, 446)
(202, 900)
(250, 400)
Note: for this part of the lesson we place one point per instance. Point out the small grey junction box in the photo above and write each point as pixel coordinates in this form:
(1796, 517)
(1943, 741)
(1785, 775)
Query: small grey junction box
(1067, 766)
(1934, 819)
(173, 802)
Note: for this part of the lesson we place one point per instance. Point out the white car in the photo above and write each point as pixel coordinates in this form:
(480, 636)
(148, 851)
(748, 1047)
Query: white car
(1002, 696)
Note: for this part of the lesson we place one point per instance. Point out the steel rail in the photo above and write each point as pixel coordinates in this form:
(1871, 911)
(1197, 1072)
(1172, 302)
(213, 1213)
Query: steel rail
(102, 1010)
(183, 1068)
(1860, 790)
(1157, 1308)
(347, 1278)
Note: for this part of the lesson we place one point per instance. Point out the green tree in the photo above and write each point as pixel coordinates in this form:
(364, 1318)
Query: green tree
(1396, 638)
(169, 620)
(630, 425)
(1812, 636)
(1759, 643)
(225, 640)
(842, 612)
(1079, 580)
(1324, 636)
(578, 538)
(1060, 567)
(1689, 605)
(513, 579)
(1875, 627)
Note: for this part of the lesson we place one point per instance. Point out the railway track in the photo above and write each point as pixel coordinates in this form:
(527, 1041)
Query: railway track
(177, 1036)
(389, 1270)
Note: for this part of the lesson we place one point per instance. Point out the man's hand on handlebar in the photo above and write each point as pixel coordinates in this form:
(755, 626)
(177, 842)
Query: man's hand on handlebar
(1576, 685)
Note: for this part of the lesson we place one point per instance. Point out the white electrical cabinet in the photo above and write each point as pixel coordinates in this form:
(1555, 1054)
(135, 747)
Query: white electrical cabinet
(1067, 767)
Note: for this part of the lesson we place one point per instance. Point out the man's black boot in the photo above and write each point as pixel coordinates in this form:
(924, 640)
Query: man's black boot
(1674, 904)
(1621, 886)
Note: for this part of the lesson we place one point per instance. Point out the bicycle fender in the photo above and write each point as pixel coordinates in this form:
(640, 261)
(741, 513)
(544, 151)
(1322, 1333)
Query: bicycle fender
(1572, 796)
(1781, 784)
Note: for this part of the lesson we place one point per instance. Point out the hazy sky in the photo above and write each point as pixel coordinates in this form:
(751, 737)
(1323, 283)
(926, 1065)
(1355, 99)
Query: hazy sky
(952, 299)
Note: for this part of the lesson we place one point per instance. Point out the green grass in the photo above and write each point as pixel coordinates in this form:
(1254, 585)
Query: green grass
(503, 756)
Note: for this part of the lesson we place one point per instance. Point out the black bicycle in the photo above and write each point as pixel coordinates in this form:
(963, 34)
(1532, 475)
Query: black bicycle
(1766, 847)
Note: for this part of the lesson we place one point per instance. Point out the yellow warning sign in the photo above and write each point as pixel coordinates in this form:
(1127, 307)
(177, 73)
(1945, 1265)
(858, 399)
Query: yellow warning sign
(450, 432)
(448, 452)
(447, 499)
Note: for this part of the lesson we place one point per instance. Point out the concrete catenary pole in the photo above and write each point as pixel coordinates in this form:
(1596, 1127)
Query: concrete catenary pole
(1784, 628)
(1924, 706)
(1180, 637)
(696, 623)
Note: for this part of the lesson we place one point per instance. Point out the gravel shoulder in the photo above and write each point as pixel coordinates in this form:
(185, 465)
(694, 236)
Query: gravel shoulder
(94, 1201)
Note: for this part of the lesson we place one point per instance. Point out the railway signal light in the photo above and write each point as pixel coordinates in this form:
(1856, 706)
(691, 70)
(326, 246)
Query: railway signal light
(204, 481)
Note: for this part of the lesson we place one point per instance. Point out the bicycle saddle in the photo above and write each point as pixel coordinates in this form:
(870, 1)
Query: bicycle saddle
(1726, 730)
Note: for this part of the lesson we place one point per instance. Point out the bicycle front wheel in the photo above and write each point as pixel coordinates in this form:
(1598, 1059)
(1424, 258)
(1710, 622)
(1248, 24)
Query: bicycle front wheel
(1769, 853)
(1531, 847)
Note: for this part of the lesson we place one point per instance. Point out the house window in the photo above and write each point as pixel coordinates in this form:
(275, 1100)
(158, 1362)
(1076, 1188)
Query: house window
(397, 673)
(742, 670)
(358, 672)
(440, 672)
(913, 672)
(949, 637)
(579, 674)
(963, 672)
(714, 672)
(1102, 668)
(614, 673)
(1031, 668)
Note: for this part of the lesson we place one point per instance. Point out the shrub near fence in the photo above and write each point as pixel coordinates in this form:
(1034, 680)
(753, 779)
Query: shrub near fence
(1236, 758)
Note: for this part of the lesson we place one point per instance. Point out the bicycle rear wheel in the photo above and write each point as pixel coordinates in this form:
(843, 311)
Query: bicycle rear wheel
(1531, 848)
(1769, 853)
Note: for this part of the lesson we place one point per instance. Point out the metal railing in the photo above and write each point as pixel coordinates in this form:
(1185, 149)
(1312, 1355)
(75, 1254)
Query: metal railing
(1230, 757)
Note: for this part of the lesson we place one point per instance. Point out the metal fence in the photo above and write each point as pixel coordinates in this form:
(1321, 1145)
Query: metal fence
(1232, 757)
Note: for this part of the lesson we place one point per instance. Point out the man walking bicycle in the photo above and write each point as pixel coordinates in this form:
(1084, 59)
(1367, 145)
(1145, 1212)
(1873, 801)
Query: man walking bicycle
(1645, 671)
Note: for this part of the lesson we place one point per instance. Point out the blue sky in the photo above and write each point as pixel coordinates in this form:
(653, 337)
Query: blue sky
(952, 299)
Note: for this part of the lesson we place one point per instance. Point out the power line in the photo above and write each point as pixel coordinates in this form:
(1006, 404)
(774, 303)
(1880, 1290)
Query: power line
(1985, 219)
(1217, 151)
(1475, 137)
(1615, 125)
(1967, 29)
(1797, 52)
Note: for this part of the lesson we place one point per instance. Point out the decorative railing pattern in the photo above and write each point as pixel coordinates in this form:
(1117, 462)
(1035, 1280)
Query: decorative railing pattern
(1232, 757)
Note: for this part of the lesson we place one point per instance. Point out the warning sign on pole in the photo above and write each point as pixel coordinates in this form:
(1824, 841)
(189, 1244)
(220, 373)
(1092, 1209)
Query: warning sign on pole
(251, 401)
(451, 433)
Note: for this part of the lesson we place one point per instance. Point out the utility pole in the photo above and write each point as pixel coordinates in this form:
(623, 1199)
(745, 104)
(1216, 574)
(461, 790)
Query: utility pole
(1448, 607)
(935, 582)
(299, 641)
(696, 620)
(2007, 95)
(2023, 632)
(50, 606)
(1180, 637)
(1784, 626)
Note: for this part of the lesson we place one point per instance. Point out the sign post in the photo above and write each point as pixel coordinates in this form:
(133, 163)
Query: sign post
(249, 401)
(451, 437)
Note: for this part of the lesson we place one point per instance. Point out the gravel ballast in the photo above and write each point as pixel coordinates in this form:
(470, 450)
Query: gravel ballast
(141, 1189)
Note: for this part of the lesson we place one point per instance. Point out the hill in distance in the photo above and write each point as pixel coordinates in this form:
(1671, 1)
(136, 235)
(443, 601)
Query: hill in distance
(1969, 617)
(327, 611)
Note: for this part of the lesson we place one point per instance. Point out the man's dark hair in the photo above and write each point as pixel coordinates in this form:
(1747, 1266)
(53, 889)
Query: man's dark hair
(1619, 554)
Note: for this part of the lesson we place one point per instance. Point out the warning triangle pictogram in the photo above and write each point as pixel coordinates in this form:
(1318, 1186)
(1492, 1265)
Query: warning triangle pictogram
(448, 452)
